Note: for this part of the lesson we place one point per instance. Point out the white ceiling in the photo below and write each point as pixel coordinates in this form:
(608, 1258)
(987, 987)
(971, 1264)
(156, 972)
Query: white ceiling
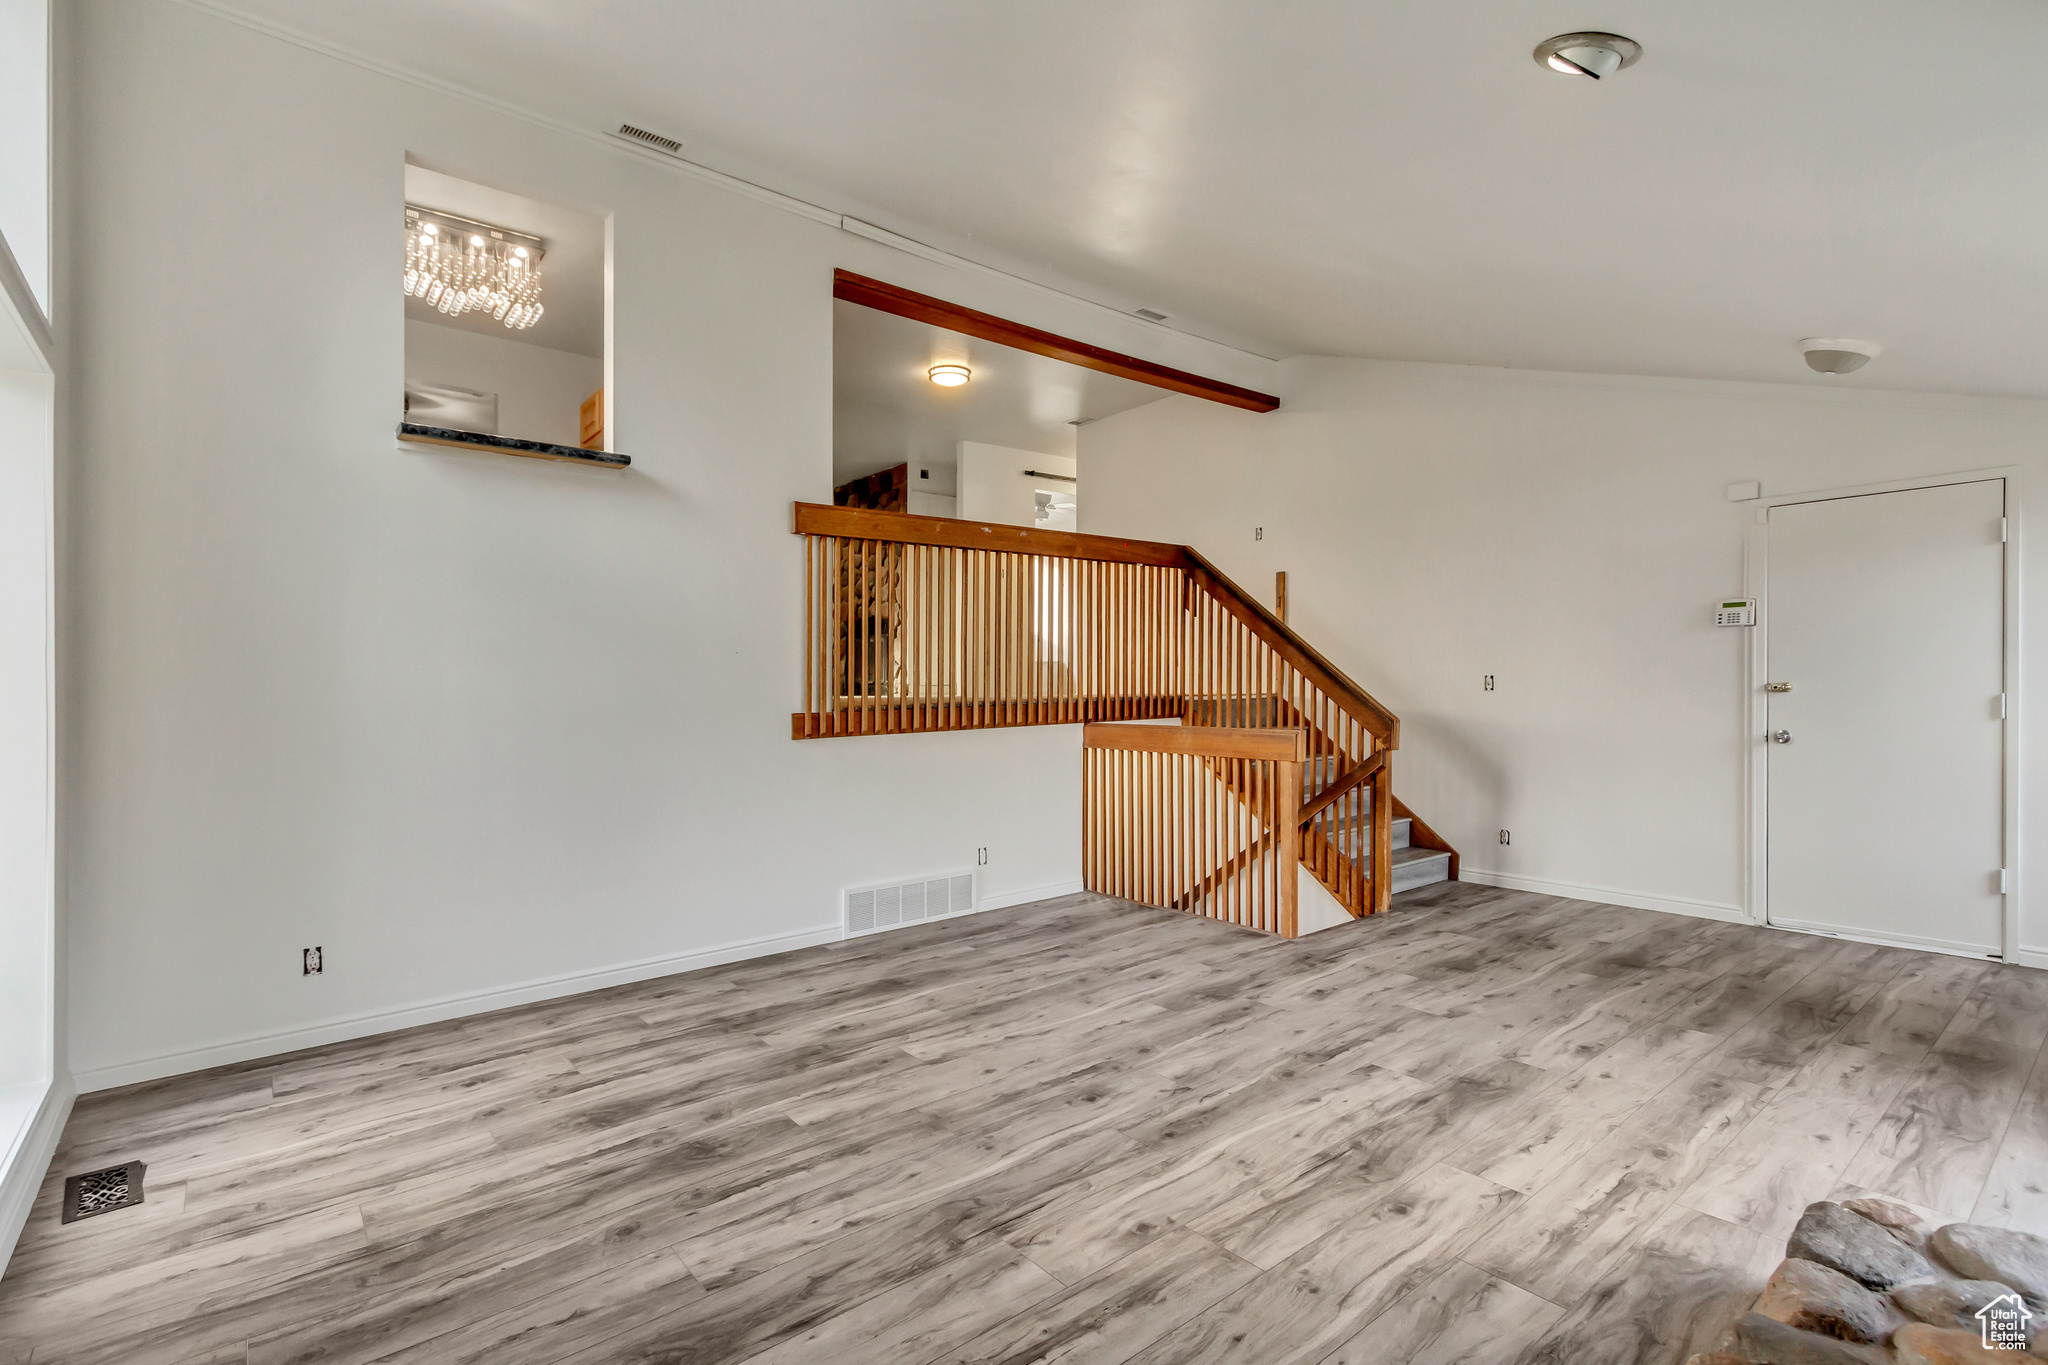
(571, 270)
(886, 410)
(1389, 178)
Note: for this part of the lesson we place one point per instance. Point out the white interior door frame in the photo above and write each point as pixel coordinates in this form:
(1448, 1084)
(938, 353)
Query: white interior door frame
(1756, 584)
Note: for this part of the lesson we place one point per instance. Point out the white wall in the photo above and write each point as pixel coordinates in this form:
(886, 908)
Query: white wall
(993, 486)
(468, 722)
(1568, 534)
(540, 390)
(27, 825)
(25, 140)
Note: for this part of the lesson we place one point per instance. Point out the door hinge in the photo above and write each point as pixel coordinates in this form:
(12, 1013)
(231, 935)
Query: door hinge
(2001, 881)
(2004, 530)
(2001, 706)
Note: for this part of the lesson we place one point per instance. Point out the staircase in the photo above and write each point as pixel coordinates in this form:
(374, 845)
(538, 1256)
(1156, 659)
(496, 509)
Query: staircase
(1280, 765)
(1414, 866)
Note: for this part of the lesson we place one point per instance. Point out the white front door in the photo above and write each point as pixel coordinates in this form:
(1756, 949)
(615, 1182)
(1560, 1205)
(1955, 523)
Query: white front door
(1885, 656)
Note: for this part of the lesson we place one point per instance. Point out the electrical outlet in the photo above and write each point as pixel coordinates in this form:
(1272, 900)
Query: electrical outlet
(309, 962)
(1504, 838)
(1488, 685)
(1258, 533)
(981, 857)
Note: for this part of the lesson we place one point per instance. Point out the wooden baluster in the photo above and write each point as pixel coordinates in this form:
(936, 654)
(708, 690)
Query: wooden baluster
(979, 635)
(1119, 855)
(842, 680)
(865, 605)
(857, 639)
(1258, 870)
(1008, 607)
(1238, 829)
(1153, 813)
(888, 642)
(810, 612)
(914, 596)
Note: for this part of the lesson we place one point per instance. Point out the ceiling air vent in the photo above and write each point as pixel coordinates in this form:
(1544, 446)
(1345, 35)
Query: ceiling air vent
(871, 909)
(1151, 314)
(655, 140)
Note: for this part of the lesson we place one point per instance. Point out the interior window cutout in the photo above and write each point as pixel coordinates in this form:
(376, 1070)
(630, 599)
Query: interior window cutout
(504, 319)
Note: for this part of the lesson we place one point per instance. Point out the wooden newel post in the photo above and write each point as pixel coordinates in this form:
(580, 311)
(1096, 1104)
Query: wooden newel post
(1287, 856)
(1383, 835)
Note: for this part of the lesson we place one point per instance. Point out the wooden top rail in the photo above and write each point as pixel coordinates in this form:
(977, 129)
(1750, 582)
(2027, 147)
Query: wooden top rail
(1273, 746)
(904, 528)
(1383, 724)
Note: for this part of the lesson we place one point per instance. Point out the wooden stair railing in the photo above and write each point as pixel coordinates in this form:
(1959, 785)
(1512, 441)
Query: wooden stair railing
(927, 623)
(1195, 818)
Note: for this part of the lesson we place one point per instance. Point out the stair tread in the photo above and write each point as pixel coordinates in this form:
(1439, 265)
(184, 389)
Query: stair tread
(1417, 855)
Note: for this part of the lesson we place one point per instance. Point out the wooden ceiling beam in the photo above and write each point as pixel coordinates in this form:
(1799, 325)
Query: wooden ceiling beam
(906, 303)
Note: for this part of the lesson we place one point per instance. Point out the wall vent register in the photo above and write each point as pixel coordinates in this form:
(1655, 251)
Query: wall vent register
(102, 1191)
(654, 140)
(871, 909)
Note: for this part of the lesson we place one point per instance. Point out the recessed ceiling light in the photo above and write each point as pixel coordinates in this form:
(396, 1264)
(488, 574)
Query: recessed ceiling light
(1598, 55)
(949, 376)
(1838, 355)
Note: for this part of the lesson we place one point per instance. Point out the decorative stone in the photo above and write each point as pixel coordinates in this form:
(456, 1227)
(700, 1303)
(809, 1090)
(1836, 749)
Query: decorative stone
(1758, 1338)
(1862, 1250)
(1810, 1296)
(1895, 1218)
(1947, 1303)
(1976, 1252)
(1919, 1344)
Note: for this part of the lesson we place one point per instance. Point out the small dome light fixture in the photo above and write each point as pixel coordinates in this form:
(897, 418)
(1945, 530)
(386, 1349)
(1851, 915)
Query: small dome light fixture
(1598, 55)
(1838, 355)
(949, 376)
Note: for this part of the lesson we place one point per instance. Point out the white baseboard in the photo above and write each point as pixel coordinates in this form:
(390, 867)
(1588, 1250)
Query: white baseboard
(2033, 957)
(434, 1011)
(28, 1161)
(1606, 895)
(1037, 893)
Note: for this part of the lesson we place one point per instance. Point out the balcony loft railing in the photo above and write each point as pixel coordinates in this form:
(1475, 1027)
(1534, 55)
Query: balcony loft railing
(916, 624)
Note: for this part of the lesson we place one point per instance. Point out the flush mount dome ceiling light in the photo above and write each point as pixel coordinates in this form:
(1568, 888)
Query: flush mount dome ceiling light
(949, 376)
(1598, 55)
(1838, 355)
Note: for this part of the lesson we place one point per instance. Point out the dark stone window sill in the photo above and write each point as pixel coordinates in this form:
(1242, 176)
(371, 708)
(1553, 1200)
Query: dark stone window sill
(509, 445)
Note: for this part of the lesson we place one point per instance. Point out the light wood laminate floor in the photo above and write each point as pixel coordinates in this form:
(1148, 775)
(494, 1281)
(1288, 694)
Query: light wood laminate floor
(1487, 1126)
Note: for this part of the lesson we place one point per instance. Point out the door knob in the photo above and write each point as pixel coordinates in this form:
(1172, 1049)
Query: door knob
(1781, 736)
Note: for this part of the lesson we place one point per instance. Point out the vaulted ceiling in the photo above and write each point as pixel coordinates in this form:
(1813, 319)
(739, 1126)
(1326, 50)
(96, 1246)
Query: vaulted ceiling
(1392, 178)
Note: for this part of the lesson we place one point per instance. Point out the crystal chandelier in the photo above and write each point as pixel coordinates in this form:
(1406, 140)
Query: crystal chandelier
(458, 265)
